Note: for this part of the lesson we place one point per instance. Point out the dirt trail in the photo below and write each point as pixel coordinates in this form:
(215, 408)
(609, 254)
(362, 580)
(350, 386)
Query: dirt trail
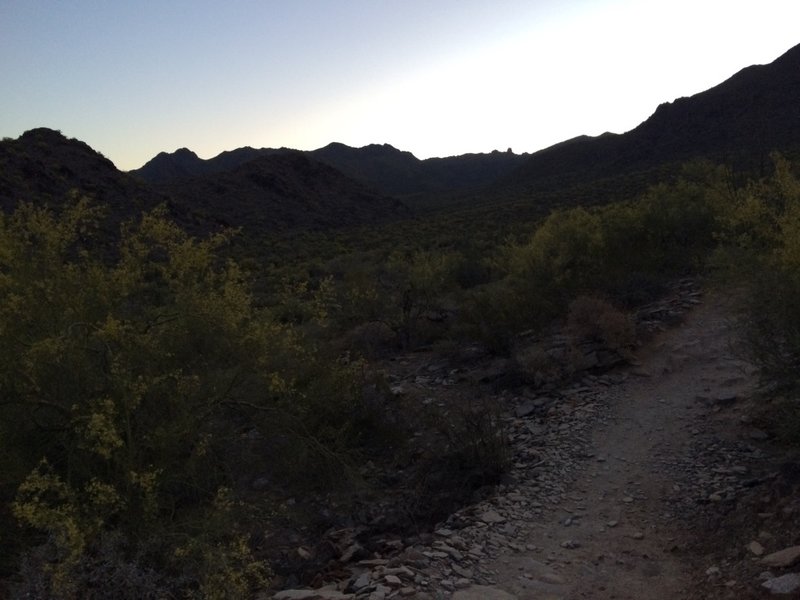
(621, 486)
(616, 535)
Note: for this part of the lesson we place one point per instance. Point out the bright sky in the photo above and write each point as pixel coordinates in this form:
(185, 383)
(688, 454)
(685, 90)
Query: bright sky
(435, 77)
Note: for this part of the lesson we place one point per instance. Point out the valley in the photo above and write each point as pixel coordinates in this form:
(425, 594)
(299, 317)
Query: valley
(350, 373)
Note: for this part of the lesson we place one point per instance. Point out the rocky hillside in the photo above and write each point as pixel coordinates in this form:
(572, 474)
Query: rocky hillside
(400, 173)
(739, 121)
(282, 191)
(276, 191)
(184, 164)
(43, 165)
(391, 171)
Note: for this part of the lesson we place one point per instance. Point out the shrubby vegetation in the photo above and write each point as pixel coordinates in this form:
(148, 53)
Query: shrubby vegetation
(141, 392)
(145, 385)
(760, 247)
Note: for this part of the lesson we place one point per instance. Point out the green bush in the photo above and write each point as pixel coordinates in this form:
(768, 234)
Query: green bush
(141, 389)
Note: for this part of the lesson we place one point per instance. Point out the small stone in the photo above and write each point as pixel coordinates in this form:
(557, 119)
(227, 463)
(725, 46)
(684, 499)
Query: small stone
(362, 581)
(715, 497)
(783, 558)
(712, 571)
(351, 552)
(393, 580)
(783, 585)
(627, 499)
(492, 516)
(612, 524)
(570, 544)
(552, 579)
(638, 535)
(444, 532)
(462, 572)
(321, 594)
(755, 548)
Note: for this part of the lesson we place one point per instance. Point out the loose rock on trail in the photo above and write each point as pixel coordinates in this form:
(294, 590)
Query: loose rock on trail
(614, 479)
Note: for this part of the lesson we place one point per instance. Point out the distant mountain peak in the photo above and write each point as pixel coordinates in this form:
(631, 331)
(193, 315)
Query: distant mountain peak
(184, 153)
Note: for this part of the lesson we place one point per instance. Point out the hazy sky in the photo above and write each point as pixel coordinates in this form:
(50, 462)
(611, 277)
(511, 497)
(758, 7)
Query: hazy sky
(435, 77)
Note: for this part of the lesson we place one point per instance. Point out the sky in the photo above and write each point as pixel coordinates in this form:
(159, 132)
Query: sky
(434, 77)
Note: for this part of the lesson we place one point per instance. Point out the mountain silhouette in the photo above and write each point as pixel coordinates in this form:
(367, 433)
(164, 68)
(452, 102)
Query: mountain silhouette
(282, 191)
(43, 166)
(276, 191)
(738, 122)
(381, 166)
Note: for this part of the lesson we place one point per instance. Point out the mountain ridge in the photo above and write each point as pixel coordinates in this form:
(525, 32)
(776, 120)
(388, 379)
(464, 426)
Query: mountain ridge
(275, 192)
(739, 121)
(382, 166)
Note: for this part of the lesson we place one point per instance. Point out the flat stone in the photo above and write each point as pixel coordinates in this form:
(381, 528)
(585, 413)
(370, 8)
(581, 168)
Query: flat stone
(320, 594)
(393, 581)
(492, 516)
(482, 592)
(552, 579)
(783, 585)
(783, 558)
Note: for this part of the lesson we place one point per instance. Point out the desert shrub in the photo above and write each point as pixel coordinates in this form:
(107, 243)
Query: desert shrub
(134, 383)
(667, 232)
(563, 256)
(400, 291)
(538, 365)
(468, 449)
(759, 248)
(596, 319)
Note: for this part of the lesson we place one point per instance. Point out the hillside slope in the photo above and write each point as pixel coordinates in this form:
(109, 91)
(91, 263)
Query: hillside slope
(282, 191)
(43, 165)
(739, 121)
(277, 191)
(391, 171)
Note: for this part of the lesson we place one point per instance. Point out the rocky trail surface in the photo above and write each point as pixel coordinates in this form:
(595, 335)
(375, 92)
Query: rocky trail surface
(647, 482)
